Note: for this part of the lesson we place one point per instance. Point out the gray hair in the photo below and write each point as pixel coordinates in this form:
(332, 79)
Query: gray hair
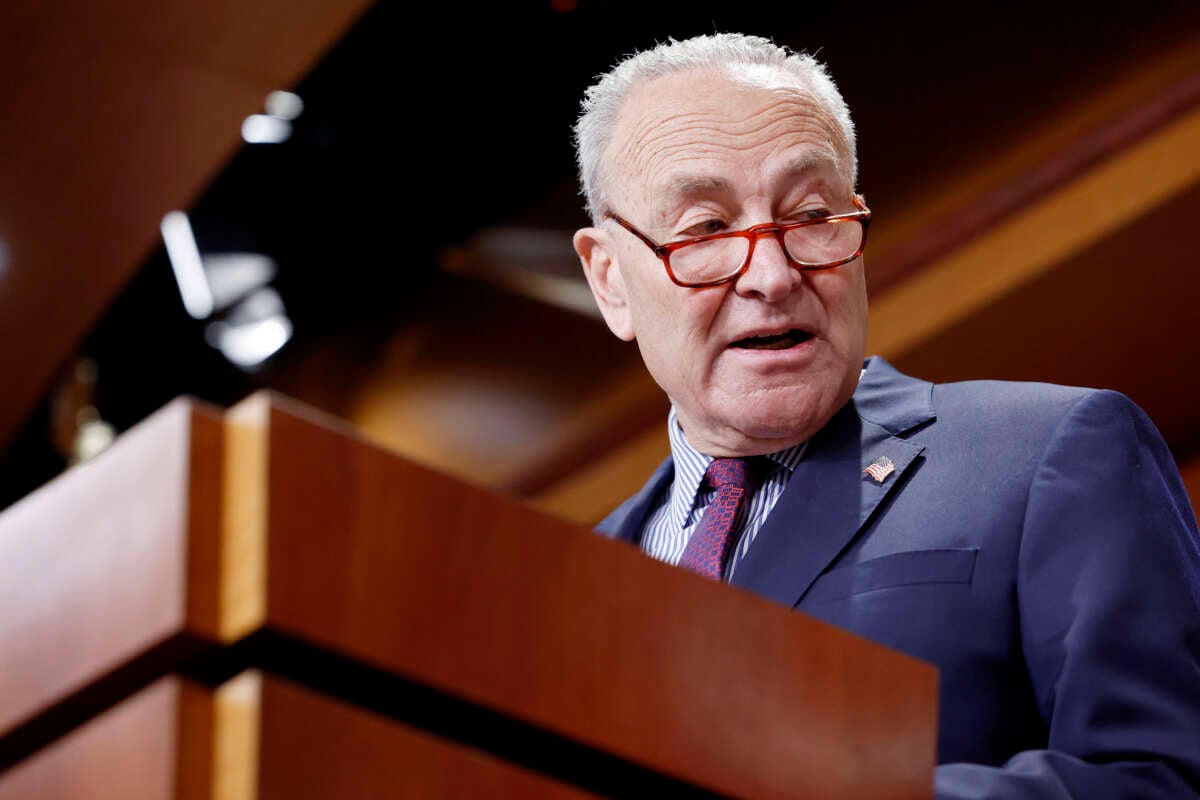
(603, 100)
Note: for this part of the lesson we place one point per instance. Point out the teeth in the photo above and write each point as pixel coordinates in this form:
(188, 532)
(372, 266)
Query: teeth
(776, 341)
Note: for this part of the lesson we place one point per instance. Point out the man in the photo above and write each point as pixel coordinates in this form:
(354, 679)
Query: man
(1032, 541)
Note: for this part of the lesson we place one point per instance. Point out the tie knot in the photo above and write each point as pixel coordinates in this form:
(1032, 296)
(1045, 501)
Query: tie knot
(731, 472)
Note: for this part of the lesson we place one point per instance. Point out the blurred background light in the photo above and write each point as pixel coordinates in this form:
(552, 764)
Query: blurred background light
(284, 105)
(536, 262)
(249, 345)
(3, 258)
(265, 129)
(253, 331)
(184, 255)
(92, 436)
(260, 305)
(232, 276)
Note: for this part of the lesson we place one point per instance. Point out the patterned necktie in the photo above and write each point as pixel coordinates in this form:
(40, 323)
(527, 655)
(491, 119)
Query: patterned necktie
(709, 546)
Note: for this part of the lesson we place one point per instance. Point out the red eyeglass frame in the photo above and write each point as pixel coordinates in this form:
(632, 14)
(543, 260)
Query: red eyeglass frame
(777, 229)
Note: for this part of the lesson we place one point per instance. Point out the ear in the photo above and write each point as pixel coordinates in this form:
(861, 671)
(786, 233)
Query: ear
(598, 255)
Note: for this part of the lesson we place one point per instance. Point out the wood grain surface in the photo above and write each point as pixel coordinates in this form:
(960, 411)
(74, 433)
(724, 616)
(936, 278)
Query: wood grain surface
(93, 565)
(129, 752)
(473, 594)
(314, 748)
(279, 525)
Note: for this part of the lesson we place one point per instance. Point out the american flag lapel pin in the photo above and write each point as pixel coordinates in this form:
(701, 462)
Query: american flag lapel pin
(880, 468)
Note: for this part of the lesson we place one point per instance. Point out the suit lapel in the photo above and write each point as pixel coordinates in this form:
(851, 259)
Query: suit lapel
(829, 497)
(627, 520)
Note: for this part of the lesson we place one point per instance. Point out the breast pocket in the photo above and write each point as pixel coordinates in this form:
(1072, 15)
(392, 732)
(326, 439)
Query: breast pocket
(912, 568)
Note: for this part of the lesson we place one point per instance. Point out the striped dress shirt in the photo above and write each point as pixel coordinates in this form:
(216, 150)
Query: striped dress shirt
(682, 503)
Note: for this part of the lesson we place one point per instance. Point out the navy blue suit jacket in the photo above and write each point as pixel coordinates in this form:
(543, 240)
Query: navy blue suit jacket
(1036, 544)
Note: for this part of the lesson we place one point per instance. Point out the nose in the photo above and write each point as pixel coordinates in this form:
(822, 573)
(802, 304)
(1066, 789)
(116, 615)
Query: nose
(769, 275)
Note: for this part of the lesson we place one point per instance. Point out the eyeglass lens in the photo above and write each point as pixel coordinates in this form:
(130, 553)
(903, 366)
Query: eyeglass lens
(811, 245)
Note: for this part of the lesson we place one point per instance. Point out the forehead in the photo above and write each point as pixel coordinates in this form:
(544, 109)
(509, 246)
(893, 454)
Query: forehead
(706, 131)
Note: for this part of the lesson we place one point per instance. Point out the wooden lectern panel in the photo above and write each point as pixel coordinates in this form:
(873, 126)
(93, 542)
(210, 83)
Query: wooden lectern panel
(274, 537)
(259, 737)
(93, 566)
(474, 594)
(128, 752)
(359, 754)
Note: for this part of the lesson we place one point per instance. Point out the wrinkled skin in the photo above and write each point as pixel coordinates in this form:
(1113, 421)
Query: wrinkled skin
(700, 152)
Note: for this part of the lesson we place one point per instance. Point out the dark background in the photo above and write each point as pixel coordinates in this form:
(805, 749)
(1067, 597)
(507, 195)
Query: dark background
(425, 125)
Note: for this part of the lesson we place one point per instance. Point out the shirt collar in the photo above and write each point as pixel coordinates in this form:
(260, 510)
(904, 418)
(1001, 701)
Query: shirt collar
(690, 466)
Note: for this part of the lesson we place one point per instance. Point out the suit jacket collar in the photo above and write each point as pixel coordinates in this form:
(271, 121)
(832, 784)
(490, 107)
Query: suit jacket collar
(891, 399)
(627, 521)
(829, 497)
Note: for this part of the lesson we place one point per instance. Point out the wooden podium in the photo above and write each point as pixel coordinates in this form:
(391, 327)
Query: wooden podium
(259, 604)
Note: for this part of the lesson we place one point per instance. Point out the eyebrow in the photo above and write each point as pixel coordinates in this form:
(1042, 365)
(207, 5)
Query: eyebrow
(687, 185)
(690, 185)
(813, 161)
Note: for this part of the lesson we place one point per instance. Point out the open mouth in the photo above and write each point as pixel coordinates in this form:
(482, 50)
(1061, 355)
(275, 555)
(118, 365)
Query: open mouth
(779, 341)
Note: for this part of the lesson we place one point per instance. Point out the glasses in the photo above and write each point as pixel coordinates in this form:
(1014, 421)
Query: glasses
(718, 258)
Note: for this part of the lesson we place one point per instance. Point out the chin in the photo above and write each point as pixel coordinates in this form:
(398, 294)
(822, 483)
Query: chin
(777, 433)
(781, 421)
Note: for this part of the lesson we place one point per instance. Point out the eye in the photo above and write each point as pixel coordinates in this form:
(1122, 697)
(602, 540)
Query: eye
(819, 212)
(708, 226)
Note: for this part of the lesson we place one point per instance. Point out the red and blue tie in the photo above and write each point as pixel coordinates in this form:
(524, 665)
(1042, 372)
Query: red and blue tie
(710, 544)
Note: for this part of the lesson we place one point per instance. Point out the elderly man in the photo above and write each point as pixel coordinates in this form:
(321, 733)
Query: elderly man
(1032, 541)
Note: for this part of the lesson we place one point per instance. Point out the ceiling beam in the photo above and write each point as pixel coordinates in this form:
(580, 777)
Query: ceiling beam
(114, 114)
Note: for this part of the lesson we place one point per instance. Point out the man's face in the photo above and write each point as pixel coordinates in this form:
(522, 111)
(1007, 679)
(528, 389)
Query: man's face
(697, 153)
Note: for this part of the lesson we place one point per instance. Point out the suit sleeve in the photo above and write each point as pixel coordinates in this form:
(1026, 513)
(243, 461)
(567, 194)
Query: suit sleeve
(1108, 593)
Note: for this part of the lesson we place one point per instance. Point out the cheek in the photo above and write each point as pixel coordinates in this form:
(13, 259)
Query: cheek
(844, 298)
(695, 323)
(674, 313)
(675, 335)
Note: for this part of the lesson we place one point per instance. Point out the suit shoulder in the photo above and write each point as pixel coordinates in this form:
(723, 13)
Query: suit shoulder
(1028, 414)
(1017, 401)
